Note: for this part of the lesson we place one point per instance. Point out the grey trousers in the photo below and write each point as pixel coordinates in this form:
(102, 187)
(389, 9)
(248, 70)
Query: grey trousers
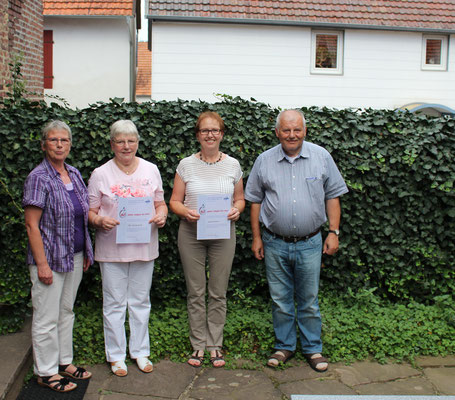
(206, 323)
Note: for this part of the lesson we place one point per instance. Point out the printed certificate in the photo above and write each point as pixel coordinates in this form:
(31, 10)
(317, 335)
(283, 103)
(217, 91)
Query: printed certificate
(134, 214)
(213, 210)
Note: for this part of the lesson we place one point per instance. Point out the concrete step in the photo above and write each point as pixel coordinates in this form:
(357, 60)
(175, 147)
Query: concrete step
(16, 359)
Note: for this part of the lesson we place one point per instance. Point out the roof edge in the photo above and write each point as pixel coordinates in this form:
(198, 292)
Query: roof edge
(86, 16)
(413, 107)
(249, 21)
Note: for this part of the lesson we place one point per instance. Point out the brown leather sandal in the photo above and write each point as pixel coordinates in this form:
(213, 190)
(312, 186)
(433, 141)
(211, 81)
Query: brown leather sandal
(218, 357)
(197, 359)
(282, 356)
(314, 362)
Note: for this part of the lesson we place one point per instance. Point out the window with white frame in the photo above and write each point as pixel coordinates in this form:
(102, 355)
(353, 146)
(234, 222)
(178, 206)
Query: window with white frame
(434, 52)
(326, 52)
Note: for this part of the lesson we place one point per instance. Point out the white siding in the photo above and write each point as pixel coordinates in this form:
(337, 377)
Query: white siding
(91, 59)
(382, 69)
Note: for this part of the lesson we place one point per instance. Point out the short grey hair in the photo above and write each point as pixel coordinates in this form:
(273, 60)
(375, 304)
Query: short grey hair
(55, 125)
(278, 118)
(124, 126)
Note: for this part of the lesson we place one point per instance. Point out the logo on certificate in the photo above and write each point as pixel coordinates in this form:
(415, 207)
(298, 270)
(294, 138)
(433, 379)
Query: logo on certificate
(122, 213)
(202, 209)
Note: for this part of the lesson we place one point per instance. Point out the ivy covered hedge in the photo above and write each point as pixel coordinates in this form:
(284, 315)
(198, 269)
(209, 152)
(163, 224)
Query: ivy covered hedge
(398, 223)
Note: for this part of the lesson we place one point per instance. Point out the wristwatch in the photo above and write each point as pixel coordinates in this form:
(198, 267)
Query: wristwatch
(335, 231)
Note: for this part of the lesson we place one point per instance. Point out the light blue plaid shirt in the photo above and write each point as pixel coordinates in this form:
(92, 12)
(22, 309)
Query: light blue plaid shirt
(293, 192)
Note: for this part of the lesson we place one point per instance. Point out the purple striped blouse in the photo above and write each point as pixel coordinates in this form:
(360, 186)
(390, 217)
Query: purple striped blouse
(43, 188)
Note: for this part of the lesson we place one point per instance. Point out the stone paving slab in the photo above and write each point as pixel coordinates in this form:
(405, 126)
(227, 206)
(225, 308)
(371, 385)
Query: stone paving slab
(311, 397)
(316, 386)
(168, 377)
(442, 378)
(100, 376)
(123, 396)
(233, 384)
(428, 361)
(297, 371)
(367, 372)
(410, 386)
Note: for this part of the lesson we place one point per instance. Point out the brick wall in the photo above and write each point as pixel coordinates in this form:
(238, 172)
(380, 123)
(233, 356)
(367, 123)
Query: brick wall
(3, 45)
(21, 33)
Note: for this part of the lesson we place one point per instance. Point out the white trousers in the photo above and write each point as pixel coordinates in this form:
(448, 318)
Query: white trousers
(126, 285)
(53, 317)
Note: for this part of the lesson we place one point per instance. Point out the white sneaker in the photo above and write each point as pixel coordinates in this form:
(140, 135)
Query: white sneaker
(119, 368)
(144, 364)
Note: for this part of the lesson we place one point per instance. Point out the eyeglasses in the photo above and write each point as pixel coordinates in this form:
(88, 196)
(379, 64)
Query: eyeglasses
(214, 132)
(122, 143)
(54, 141)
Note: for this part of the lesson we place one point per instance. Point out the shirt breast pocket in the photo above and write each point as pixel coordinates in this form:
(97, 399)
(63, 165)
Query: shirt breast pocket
(315, 188)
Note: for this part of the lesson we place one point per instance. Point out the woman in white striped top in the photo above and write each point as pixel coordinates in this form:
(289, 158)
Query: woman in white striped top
(207, 172)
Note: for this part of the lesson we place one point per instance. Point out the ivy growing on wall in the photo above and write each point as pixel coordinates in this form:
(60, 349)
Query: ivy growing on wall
(398, 223)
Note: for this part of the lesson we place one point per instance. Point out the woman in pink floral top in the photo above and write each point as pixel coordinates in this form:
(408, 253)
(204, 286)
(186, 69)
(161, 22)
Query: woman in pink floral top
(126, 268)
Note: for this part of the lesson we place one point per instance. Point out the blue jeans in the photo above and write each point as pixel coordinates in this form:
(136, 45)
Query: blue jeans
(294, 268)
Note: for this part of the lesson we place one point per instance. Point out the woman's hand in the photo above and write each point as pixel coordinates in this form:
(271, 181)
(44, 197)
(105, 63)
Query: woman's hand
(192, 215)
(45, 274)
(159, 220)
(106, 223)
(86, 264)
(234, 214)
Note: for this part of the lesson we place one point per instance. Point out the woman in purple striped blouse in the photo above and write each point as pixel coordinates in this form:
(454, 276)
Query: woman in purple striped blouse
(56, 218)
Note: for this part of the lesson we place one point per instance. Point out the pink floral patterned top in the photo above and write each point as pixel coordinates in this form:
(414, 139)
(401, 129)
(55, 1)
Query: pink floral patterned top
(106, 184)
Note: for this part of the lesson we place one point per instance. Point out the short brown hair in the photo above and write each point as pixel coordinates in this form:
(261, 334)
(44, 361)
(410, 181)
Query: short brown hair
(209, 114)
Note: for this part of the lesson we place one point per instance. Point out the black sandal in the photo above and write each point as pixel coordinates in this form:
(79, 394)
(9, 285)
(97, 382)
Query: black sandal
(59, 386)
(78, 374)
(198, 359)
(218, 357)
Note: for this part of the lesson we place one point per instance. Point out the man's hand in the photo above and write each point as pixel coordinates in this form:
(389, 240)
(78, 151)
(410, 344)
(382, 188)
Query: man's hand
(331, 244)
(257, 248)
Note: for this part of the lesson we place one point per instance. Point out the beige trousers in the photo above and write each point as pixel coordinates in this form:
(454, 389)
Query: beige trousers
(206, 323)
(53, 317)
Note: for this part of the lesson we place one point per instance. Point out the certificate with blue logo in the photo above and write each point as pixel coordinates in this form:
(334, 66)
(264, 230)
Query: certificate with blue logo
(134, 214)
(213, 223)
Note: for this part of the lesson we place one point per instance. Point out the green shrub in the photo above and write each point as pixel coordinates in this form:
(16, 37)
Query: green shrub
(355, 327)
(398, 223)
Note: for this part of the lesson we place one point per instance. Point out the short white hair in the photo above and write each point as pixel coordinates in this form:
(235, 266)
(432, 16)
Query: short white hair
(124, 126)
(278, 118)
(55, 125)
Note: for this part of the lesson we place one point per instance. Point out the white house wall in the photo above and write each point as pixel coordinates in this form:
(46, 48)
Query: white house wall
(382, 69)
(91, 59)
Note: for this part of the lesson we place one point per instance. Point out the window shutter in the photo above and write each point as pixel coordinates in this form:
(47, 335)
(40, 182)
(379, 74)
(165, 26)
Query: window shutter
(47, 58)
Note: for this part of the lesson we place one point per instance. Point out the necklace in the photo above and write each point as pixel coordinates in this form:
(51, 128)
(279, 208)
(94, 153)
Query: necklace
(211, 163)
(128, 170)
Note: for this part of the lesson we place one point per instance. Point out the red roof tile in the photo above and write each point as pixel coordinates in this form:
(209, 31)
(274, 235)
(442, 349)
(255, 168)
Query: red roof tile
(88, 7)
(144, 70)
(414, 14)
